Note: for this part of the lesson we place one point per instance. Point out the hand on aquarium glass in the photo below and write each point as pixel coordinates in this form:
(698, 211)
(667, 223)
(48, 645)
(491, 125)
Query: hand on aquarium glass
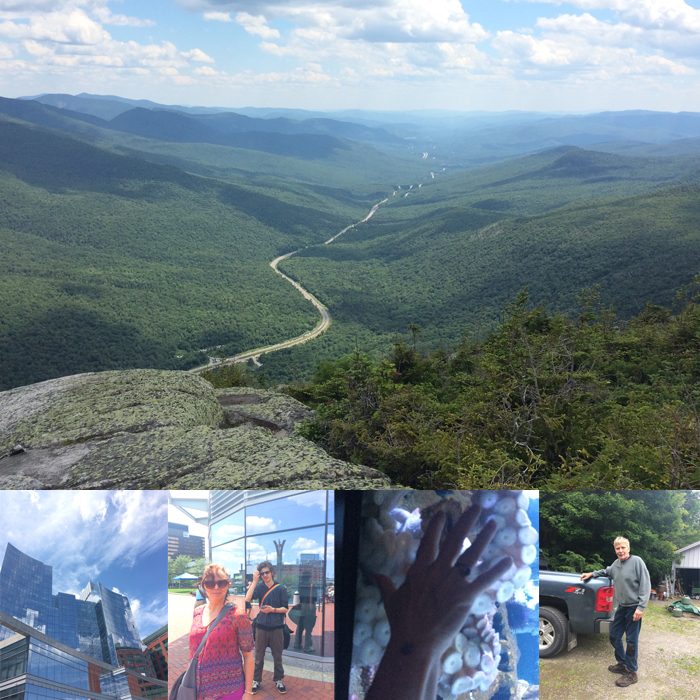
(430, 608)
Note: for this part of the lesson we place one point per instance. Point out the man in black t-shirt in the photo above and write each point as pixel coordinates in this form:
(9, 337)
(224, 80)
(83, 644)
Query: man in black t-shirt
(270, 621)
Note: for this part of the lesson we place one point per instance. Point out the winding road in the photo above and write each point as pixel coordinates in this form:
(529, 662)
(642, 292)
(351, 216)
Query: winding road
(325, 321)
(321, 326)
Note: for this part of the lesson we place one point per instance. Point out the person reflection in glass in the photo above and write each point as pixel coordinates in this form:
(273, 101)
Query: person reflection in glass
(306, 618)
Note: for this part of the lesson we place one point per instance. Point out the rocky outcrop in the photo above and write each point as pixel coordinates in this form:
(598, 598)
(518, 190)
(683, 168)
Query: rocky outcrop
(151, 429)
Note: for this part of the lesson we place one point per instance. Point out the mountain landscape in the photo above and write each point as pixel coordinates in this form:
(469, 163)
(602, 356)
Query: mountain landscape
(524, 271)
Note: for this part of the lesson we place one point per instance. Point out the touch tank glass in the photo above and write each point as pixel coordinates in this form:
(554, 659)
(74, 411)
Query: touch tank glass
(494, 655)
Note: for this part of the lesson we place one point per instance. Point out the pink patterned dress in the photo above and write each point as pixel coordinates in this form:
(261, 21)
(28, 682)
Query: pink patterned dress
(220, 667)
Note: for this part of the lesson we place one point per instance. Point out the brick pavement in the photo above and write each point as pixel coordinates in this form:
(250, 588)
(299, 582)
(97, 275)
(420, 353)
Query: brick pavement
(180, 609)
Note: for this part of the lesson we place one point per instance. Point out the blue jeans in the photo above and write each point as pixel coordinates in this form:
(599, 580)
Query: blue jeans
(624, 624)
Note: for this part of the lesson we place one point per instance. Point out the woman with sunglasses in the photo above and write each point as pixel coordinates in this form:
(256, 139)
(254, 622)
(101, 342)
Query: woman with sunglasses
(221, 674)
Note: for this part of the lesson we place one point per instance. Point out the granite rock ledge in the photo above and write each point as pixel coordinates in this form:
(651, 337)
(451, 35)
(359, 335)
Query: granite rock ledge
(153, 429)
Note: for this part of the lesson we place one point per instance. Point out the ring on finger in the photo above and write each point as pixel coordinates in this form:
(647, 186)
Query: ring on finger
(464, 570)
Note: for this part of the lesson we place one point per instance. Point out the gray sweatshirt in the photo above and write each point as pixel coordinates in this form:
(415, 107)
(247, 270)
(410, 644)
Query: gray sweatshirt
(632, 584)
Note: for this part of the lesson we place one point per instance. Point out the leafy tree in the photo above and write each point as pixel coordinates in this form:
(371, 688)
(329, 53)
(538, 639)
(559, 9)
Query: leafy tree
(578, 527)
(183, 564)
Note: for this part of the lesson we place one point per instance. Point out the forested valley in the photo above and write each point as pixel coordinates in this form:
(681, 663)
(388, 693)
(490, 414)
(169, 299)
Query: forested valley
(529, 319)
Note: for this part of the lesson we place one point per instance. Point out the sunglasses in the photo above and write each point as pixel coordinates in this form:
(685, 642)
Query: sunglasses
(210, 583)
(264, 573)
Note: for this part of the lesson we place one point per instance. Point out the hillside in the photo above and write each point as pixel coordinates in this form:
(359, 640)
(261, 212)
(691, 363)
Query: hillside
(270, 158)
(450, 255)
(110, 262)
(545, 401)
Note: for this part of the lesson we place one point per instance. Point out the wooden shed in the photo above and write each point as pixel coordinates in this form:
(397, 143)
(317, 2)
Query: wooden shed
(687, 571)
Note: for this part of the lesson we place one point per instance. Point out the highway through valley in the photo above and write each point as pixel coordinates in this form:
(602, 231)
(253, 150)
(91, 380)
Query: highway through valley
(321, 326)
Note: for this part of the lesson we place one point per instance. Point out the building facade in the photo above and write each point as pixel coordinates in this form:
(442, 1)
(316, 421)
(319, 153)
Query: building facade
(95, 623)
(157, 648)
(63, 647)
(34, 666)
(181, 543)
(295, 531)
(687, 570)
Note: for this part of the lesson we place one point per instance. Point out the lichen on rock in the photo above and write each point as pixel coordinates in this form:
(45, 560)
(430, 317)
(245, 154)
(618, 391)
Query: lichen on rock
(151, 429)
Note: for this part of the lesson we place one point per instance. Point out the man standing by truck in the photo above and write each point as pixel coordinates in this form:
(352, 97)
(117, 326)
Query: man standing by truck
(632, 589)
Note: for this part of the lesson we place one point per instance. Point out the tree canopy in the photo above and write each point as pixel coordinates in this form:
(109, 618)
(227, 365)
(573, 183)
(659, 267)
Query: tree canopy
(577, 528)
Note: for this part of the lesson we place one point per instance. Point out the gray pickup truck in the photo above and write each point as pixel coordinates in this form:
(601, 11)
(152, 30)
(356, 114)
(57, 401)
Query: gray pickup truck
(569, 606)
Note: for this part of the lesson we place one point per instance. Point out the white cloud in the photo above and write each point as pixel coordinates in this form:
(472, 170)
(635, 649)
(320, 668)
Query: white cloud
(675, 15)
(69, 34)
(256, 25)
(217, 16)
(150, 616)
(305, 543)
(646, 37)
(206, 71)
(197, 55)
(224, 532)
(116, 590)
(368, 20)
(91, 506)
(105, 16)
(256, 523)
(312, 498)
(73, 27)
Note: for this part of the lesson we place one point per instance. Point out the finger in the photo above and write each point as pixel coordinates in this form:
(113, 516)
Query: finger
(454, 542)
(471, 555)
(429, 545)
(488, 578)
(386, 587)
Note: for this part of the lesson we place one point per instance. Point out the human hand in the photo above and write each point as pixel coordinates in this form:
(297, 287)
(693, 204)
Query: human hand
(267, 609)
(637, 615)
(585, 577)
(430, 608)
(256, 576)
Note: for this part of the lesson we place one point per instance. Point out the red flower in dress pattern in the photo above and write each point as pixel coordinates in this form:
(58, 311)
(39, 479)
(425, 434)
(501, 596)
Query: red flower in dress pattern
(220, 667)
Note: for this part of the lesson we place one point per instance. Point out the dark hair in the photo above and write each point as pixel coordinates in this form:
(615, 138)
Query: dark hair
(267, 564)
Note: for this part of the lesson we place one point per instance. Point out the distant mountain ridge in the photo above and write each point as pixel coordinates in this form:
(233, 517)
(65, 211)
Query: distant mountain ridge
(225, 121)
(474, 138)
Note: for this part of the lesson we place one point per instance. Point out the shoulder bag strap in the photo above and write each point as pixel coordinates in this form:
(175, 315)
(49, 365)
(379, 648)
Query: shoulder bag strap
(268, 593)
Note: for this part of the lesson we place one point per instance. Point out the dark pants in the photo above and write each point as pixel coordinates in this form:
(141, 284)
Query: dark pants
(275, 640)
(623, 624)
(306, 624)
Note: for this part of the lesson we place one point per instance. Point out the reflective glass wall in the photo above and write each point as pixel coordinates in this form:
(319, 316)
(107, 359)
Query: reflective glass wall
(25, 592)
(294, 531)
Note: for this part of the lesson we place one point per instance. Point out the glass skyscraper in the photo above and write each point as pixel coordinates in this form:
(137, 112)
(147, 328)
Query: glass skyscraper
(94, 623)
(62, 647)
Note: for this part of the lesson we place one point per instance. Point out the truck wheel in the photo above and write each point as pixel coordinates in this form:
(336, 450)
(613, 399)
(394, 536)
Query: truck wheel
(554, 630)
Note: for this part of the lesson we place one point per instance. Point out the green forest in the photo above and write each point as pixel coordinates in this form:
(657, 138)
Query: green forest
(577, 529)
(441, 258)
(462, 351)
(111, 262)
(544, 401)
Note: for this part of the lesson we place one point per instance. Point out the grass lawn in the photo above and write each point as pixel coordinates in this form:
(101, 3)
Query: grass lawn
(183, 591)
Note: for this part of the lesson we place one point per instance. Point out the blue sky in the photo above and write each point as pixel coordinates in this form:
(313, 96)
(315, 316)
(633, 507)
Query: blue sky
(549, 55)
(118, 538)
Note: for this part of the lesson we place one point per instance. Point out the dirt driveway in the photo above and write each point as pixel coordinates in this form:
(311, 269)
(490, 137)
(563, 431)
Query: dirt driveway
(669, 663)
